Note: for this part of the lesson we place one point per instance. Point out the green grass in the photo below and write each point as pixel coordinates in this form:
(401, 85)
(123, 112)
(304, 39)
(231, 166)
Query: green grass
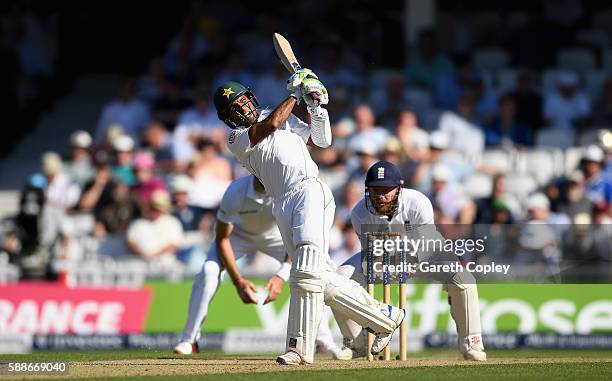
(573, 370)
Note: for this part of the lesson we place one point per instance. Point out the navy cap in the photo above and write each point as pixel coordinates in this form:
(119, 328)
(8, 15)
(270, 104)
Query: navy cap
(383, 174)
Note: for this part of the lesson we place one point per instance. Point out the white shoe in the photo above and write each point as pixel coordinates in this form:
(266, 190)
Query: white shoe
(289, 358)
(475, 355)
(343, 353)
(472, 348)
(186, 348)
(382, 339)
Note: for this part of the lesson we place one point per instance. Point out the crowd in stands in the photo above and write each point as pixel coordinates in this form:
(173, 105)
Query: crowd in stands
(487, 142)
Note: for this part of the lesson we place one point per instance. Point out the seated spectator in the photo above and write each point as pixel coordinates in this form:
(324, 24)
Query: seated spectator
(485, 103)
(598, 187)
(128, 111)
(367, 154)
(114, 216)
(393, 152)
(506, 130)
(80, 168)
(409, 133)
(366, 129)
(349, 246)
(420, 172)
(158, 236)
(602, 113)
(426, 63)
(157, 139)
(567, 107)
(493, 209)
(451, 201)
(333, 71)
(198, 122)
(153, 85)
(452, 84)
(189, 215)
(528, 104)
(211, 174)
(61, 196)
(574, 202)
(391, 102)
(123, 169)
(464, 135)
(146, 182)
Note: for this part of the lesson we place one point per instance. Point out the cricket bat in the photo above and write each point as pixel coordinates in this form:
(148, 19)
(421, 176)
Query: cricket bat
(285, 53)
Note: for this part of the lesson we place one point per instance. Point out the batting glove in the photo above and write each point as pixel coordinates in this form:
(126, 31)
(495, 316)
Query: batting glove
(296, 79)
(314, 93)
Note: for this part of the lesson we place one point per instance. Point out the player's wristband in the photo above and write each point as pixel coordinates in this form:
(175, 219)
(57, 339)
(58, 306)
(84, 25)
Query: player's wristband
(284, 271)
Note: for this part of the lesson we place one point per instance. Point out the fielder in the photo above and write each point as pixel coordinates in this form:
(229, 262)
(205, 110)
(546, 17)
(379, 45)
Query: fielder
(272, 146)
(245, 225)
(387, 203)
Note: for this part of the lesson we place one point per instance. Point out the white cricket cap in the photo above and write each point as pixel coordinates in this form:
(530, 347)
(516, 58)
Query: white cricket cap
(123, 143)
(593, 153)
(439, 140)
(80, 139)
(181, 183)
(537, 201)
(51, 163)
(440, 172)
(567, 78)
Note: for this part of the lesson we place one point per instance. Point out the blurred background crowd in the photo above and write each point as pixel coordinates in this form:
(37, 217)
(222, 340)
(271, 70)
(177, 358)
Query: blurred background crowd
(499, 113)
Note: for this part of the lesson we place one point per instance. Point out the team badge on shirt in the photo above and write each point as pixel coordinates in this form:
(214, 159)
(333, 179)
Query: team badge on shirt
(232, 137)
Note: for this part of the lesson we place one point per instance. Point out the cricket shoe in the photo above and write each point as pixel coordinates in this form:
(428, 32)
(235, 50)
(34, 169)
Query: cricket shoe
(290, 358)
(382, 339)
(472, 349)
(186, 348)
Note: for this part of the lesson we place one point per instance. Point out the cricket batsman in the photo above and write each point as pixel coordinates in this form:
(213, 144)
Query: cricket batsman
(245, 225)
(387, 203)
(272, 145)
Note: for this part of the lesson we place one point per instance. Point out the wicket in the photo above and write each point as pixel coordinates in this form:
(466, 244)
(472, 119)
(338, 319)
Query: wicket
(402, 278)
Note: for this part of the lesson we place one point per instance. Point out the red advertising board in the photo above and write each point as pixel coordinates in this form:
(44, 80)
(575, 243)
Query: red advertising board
(51, 308)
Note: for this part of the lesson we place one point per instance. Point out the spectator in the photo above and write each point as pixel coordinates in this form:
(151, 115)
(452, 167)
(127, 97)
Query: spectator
(198, 122)
(271, 86)
(114, 217)
(211, 174)
(603, 112)
(123, 147)
(452, 203)
(390, 102)
(367, 155)
(334, 73)
(598, 187)
(157, 138)
(129, 112)
(410, 135)
(153, 85)
(80, 168)
(574, 203)
(366, 130)
(485, 103)
(420, 173)
(426, 63)
(528, 104)
(494, 209)
(61, 196)
(158, 236)
(567, 107)
(393, 152)
(98, 192)
(451, 85)
(234, 70)
(464, 135)
(188, 215)
(506, 130)
(146, 182)
(350, 245)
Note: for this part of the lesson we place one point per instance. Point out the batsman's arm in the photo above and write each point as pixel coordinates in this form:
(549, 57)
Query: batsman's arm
(273, 122)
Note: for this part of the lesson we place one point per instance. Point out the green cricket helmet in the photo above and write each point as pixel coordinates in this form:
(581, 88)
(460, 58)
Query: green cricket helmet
(229, 112)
